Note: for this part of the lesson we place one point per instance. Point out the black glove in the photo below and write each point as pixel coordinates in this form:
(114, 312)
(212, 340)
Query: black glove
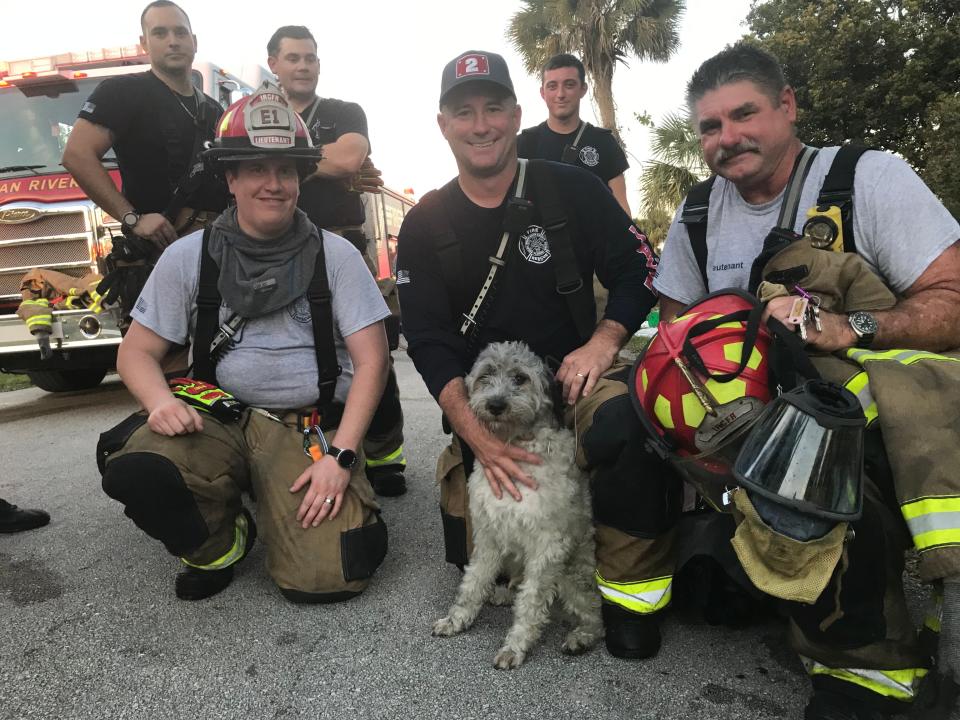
(130, 248)
(123, 285)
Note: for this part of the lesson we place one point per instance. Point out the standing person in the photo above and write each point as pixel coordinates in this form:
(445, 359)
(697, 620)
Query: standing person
(286, 422)
(856, 643)
(156, 122)
(490, 222)
(565, 137)
(332, 199)
(14, 519)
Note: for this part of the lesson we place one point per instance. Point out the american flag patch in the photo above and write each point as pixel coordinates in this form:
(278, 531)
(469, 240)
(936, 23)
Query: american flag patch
(403, 277)
(88, 107)
(141, 305)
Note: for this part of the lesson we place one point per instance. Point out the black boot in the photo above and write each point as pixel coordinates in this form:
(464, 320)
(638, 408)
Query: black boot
(387, 480)
(629, 635)
(196, 584)
(13, 519)
(826, 705)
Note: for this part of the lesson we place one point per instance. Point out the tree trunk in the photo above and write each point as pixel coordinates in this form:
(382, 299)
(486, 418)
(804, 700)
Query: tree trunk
(602, 79)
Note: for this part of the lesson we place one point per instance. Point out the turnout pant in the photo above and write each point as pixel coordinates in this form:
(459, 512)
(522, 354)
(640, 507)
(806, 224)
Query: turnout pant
(186, 492)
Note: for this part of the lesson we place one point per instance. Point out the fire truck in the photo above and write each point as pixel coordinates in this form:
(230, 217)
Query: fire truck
(46, 220)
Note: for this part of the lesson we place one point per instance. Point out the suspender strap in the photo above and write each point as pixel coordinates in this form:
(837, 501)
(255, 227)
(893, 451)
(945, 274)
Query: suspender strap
(496, 261)
(578, 295)
(694, 216)
(208, 313)
(576, 140)
(791, 195)
(837, 189)
(321, 312)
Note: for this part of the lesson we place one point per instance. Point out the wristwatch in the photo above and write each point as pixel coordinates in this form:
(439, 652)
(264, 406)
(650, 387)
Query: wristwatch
(345, 458)
(130, 219)
(865, 326)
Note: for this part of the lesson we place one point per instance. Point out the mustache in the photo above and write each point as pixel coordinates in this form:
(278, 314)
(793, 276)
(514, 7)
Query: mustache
(724, 154)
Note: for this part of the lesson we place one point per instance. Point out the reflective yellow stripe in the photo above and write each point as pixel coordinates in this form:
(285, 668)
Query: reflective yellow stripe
(859, 385)
(904, 357)
(643, 597)
(934, 617)
(933, 521)
(896, 684)
(39, 320)
(394, 458)
(40, 302)
(234, 554)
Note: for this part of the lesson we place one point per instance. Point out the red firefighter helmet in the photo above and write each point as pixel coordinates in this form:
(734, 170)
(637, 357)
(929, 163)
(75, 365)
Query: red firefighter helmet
(261, 125)
(703, 379)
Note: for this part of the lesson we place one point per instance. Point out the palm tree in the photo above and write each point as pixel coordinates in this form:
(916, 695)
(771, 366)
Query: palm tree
(677, 165)
(602, 33)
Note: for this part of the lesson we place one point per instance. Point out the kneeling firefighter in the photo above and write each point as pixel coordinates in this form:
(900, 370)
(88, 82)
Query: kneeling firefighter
(289, 362)
(738, 408)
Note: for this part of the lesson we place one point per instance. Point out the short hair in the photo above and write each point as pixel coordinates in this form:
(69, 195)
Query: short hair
(494, 90)
(294, 32)
(737, 63)
(157, 4)
(563, 60)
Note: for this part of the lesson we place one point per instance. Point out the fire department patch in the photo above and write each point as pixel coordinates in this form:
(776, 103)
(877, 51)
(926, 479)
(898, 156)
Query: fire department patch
(299, 310)
(534, 246)
(589, 156)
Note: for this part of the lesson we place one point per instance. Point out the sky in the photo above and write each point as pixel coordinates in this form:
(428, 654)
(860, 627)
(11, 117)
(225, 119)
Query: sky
(387, 56)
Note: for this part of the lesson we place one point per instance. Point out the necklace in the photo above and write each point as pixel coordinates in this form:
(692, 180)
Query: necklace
(193, 115)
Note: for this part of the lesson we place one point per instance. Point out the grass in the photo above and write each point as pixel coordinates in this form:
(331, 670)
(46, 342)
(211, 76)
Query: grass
(10, 382)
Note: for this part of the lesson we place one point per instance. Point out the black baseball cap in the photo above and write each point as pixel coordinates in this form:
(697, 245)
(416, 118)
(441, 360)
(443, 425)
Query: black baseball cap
(475, 65)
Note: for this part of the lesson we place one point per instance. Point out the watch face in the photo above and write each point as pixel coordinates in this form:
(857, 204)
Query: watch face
(347, 459)
(130, 219)
(864, 323)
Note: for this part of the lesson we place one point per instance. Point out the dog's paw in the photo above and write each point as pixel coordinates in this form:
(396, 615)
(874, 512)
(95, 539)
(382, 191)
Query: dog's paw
(445, 627)
(578, 641)
(502, 595)
(508, 659)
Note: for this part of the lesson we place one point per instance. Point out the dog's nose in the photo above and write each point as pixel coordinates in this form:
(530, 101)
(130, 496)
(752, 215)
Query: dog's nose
(496, 406)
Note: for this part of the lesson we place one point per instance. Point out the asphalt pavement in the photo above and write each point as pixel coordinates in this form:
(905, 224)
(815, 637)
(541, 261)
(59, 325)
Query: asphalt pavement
(91, 627)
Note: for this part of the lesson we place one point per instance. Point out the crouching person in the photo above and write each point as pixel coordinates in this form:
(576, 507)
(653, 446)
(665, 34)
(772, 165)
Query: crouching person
(285, 321)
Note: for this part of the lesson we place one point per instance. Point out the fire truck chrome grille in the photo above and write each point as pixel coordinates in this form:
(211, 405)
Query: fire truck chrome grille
(10, 283)
(45, 226)
(45, 253)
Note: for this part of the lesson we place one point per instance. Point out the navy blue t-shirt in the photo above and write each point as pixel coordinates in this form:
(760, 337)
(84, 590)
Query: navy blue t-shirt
(526, 305)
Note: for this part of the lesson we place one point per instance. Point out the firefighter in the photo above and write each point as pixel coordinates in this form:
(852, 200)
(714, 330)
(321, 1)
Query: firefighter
(897, 356)
(282, 392)
(156, 122)
(332, 199)
(505, 251)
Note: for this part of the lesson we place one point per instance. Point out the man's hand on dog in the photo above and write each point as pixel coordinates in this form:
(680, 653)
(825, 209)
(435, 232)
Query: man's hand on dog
(582, 368)
(499, 461)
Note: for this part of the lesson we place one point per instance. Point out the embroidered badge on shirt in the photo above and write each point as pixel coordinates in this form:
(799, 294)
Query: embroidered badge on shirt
(534, 246)
(589, 156)
(299, 310)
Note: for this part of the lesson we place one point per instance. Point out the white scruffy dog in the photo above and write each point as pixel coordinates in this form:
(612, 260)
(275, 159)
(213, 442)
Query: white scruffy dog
(548, 536)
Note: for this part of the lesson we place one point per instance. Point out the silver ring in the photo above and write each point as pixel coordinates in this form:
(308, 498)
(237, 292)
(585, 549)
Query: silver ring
(580, 375)
(328, 501)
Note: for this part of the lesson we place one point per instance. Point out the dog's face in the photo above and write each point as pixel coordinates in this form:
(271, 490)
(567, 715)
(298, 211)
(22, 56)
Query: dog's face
(510, 389)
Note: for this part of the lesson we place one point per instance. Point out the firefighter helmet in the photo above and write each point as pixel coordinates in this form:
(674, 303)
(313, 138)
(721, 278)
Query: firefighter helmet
(261, 125)
(704, 379)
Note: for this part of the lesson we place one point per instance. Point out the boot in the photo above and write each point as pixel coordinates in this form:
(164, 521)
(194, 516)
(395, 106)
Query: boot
(629, 635)
(13, 519)
(387, 480)
(196, 584)
(826, 705)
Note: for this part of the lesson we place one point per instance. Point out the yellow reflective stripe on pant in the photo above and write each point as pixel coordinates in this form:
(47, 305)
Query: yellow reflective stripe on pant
(896, 684)
(859, 385)
(643, 597)
(394, 458)
(232, 555)
(933, 521)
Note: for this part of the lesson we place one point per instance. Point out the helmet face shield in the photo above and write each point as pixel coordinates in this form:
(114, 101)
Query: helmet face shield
(806, 451)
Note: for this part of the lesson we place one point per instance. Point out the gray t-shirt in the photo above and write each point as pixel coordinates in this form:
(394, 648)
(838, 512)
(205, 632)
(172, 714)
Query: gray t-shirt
(271, 362)
(898, 224)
